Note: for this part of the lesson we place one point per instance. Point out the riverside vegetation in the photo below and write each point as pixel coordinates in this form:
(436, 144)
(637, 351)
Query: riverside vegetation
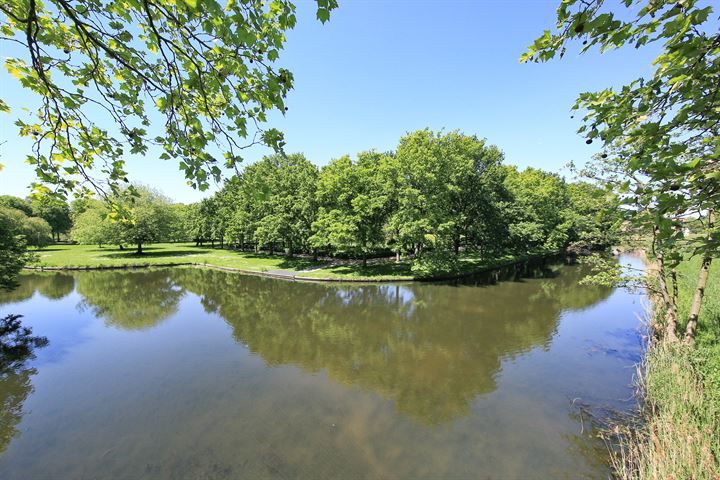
(440, 205)
(431, 202)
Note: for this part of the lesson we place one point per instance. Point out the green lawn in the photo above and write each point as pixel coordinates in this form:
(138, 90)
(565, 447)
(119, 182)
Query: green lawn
(92, 256)
(164, 254)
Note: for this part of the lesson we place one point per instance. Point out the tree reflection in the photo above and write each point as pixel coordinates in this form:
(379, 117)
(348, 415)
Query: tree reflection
(430, 348)
(17, 345)
(130, 300)
(56, 285)
(51, 285)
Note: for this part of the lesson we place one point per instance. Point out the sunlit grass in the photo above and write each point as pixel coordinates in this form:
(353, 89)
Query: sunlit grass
(92, 256)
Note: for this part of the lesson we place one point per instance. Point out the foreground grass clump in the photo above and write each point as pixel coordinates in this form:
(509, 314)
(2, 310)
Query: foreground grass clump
(679, 434)
(92, 256)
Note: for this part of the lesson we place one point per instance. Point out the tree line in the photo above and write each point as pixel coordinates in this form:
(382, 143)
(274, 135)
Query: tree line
(436, 196)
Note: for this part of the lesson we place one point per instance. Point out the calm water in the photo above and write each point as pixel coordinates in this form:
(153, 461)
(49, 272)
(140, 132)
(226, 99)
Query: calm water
(201, 374)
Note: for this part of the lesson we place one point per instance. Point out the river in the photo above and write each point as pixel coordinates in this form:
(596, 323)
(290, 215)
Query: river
(190, 373)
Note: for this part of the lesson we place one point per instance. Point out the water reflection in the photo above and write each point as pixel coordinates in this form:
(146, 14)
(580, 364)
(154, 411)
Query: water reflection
(17, 346)
(431, 348)
(337, 381)
(129, 300)
(51, 285)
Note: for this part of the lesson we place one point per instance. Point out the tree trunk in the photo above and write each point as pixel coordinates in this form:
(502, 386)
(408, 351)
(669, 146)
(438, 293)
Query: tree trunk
(397, 256)
(456, 246)
(697, 300)
(364, 259)
(139, 249)
(670, 308)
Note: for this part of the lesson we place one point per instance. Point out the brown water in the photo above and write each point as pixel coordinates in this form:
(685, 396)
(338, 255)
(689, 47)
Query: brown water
(201, 374)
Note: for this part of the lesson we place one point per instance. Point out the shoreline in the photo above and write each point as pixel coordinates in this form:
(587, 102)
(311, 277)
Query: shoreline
(296, 276)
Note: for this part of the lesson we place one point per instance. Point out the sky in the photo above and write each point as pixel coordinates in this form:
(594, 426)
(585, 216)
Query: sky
(381, 68)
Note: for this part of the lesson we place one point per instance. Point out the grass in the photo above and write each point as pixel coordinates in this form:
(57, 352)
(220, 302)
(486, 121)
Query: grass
(679, 435)
(375, 271)
(402, 271)
(92, 256)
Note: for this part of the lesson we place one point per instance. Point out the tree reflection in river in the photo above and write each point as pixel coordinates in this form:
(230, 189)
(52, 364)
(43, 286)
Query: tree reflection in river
(432, 349)
(51, 285)
(130, 300)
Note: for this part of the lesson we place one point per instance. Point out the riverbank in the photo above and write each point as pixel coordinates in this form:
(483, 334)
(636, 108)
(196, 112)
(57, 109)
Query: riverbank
(91, 257)
(677, 434)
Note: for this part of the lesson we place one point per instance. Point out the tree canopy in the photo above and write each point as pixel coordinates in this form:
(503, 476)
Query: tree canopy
(106, 72)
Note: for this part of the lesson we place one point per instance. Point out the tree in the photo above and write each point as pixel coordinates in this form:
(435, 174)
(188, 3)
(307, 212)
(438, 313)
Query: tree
(17, 203)
(54, 210)
(661, 132)
(538, 211)
(149, 218)
(291, 206)
(37, 232)
(93, 227)
(594, 216)
(206, 66)
(353, 205)
(449, 191)
(13, 252)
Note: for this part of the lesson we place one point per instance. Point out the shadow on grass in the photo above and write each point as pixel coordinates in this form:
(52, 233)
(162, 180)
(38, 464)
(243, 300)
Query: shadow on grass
(148, 253)
(389, 269)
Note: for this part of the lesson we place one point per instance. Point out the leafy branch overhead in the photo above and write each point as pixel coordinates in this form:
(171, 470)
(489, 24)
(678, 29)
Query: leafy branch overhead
(660, 132)
(108, 71)
(664, 127)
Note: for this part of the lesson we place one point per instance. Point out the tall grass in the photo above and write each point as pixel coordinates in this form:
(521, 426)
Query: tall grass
(677, 435)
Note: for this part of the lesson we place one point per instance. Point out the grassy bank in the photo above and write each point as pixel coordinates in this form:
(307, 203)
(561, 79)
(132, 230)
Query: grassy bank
(679, 437)
(92, 256)
(165, 254)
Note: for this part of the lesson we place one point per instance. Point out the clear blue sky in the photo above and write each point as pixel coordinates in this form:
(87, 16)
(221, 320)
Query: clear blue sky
(379, 69)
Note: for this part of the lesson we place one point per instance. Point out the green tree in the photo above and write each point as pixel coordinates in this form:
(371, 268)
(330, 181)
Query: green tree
(660, 132)
(353, 205)
(450, 191)
(93, 227)
(594, 215)
(23, 205)
(37, 232)
(13, 251)
(207, 67)
(54, 210)
(538, 211)
(291, 206)
(149, 218)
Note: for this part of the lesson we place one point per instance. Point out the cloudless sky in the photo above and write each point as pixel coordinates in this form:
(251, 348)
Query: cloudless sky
(379, 69)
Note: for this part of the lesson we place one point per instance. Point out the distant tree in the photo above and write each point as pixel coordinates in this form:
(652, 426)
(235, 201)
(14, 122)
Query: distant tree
(149, 218)
(538, 214)
(594, 215)
(177, 231)
(13, 251)
(94, 227)
(291, 206)
(353, 205)
(79, 205)
(54, 210)
(37, 232)
(16, 203)
(449, 191)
